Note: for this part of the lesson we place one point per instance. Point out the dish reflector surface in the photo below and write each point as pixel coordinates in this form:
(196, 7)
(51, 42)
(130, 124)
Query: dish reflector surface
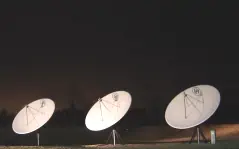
(192, 107)
(33, 116)
(108, 110)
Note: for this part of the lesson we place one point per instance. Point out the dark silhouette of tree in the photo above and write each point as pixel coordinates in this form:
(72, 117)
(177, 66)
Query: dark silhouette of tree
(134, 118)
(68, 117)
(75, 116)
(5, 118)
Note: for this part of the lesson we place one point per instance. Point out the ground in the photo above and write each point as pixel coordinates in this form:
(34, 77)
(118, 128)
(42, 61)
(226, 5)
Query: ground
(152, 137)
(219, 145)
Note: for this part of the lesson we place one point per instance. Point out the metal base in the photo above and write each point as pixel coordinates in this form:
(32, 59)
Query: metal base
(38, 139)
(115, 136)
(197, 132)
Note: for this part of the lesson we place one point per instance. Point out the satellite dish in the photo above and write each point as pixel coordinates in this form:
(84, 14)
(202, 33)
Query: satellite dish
(108, 110)
(33, 116)
(192, 106)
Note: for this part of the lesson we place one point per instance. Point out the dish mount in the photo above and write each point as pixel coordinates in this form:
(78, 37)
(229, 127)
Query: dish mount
(198, 132)
(116, 136)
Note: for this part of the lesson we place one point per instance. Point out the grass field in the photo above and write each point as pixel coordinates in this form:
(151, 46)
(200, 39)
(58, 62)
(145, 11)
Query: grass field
(218, 145)
(141, 137)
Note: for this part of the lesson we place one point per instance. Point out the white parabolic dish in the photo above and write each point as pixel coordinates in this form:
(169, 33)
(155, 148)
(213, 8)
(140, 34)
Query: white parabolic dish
(33, 116)
(108, 110)
(192, 107)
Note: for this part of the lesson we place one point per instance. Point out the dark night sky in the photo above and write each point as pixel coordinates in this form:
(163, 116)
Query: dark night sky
(85, 50)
